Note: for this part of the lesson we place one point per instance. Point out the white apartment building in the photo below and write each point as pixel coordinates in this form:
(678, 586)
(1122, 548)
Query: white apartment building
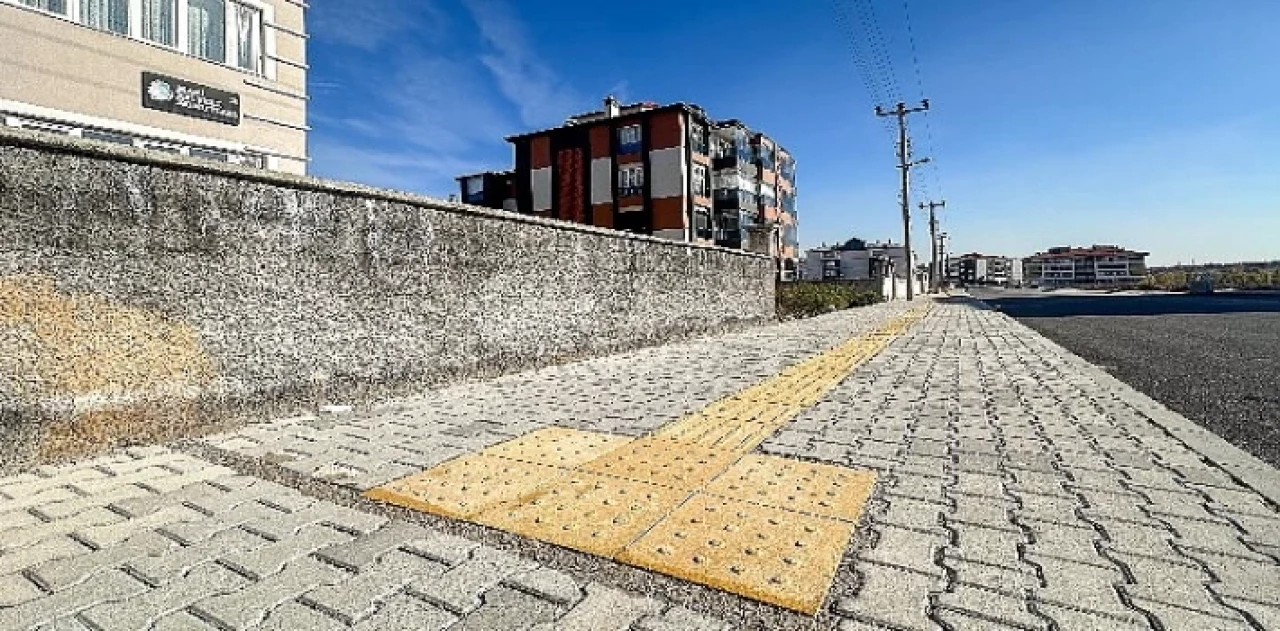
(1095, 265)
(855, 259)
(219, 80)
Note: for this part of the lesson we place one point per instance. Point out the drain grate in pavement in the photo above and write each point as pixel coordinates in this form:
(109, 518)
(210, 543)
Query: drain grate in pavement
(689, 501)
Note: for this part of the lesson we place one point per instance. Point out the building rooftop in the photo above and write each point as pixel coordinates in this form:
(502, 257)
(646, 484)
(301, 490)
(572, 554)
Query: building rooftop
(1093, 250)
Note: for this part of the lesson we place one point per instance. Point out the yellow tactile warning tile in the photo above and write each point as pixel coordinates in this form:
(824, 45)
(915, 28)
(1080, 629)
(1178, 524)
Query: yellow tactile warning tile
(807, 487)
(466, 485)
(664, 461)
(688, 500)
(558, 447)
(769, 554)
(593, 513)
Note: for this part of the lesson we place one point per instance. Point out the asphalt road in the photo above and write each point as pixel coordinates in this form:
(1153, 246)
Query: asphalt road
(1214, 359)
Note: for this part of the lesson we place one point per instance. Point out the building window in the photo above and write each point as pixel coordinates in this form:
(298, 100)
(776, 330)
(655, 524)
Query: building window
(630, 180)
(474, 189)
(106, 15)
(207, 29)
(107, 136)
(702, 222)
(629, 139)
(160, 21)
(701, 186)
(52, 6)
(698, 138)
(247, 39)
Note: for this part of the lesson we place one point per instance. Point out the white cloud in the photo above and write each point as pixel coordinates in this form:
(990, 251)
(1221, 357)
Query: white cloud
(542, 98)
(369, 24)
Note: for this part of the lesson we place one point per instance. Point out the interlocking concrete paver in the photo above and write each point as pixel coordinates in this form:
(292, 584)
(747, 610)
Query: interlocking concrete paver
(680, 619)
(604, 609)
(504, 609)
(459, 590)
(109, 586)
(1035, 488)
(360, 596)
(60, 574)
(137, 612)
(250, 606)
(892, 597)
(549, 584)
(16, 589)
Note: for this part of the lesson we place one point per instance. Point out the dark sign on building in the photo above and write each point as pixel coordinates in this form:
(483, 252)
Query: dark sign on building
(184, 98)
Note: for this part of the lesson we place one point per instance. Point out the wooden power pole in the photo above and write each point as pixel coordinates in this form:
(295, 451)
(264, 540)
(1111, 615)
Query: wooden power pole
(904, 163)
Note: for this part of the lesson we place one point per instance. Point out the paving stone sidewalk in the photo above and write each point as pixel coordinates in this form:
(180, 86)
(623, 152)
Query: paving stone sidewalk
(1021, 488)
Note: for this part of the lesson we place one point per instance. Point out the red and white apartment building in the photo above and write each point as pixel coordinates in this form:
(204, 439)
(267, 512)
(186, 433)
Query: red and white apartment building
(664, 170)
(1094, 265)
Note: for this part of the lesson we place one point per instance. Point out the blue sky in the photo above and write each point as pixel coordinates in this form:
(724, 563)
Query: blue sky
(1153, 124)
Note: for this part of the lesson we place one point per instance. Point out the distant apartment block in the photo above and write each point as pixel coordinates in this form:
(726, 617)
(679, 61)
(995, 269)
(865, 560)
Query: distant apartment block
(669, 171)
(984, 269)
(220, 80)
(1095, 265)
(492, 189)
(855, 259)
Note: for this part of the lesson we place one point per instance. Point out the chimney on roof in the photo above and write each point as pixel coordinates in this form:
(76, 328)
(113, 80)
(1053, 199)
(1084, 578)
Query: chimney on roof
(611, 107)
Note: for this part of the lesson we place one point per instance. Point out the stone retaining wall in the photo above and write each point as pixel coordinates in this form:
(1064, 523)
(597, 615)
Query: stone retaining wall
(144, 297)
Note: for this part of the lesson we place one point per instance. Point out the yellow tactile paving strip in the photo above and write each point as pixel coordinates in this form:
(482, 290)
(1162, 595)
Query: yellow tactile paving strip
(690, 500)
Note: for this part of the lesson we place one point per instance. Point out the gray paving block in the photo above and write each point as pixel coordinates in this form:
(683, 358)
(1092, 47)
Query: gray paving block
(272, 558)
(504, 609)
(293, 616)
(103, 536)
(35, 533)
(681, 619)
(180, 621)
(360, 596)
(448, 549)
(1251, 579)
(891, 597)
(59, 574)
(38, 498)
(908, 549)
(197, 531)
(1081, 586)
(985, 545)
(138, 611)
(16, 589)
(363, 551)
(250, 606)
(970, 608)
(158, 568)
(459, 589)
(605, 609)
(23, 558)
(109, 586)
(1173, 616)
(912, 513)
(74, 506)
(553, 585)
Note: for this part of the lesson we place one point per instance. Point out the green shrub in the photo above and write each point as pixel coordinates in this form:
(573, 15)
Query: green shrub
(807, 299)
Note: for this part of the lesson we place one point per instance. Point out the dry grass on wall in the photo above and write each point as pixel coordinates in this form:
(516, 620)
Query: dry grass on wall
(55, 345)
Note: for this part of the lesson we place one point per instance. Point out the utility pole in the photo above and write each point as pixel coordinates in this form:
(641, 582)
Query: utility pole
(933, 243)
(904, 155)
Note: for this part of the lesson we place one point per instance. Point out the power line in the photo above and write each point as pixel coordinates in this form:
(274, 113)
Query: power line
(879, 50)
(861, 62)
(915, 62)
